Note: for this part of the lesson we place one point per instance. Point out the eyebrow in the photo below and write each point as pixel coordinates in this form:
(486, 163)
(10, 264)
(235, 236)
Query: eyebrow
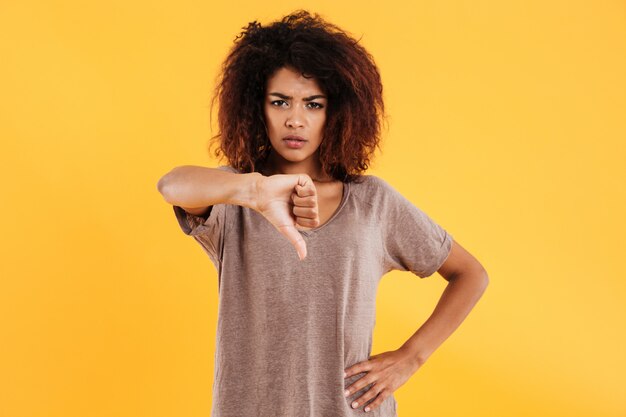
(289, 97)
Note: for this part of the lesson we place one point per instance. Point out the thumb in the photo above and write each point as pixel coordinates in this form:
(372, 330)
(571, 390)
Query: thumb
(292, 234)
(305, 186)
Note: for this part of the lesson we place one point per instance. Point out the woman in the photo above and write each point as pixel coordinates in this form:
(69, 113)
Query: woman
(300, 110)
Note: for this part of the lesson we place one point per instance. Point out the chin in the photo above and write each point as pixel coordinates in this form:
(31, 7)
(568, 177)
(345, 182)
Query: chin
(300, 158)
(291, 155)
(281, 153)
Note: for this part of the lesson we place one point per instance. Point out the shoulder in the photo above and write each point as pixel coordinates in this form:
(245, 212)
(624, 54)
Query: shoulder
(372, 186)
(382, 197)
(375, 192)
(227, 168)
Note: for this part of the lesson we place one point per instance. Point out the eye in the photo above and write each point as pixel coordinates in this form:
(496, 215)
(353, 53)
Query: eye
(315, 104)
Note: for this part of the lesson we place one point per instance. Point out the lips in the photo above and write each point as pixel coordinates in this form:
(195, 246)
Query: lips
(294, 142)
(294, 137)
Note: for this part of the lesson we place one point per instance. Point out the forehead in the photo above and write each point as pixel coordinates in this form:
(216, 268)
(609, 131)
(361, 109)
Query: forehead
(288, 81)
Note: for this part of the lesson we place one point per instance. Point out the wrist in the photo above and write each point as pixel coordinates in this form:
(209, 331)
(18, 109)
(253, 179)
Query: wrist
(248, 195)
(417, 356)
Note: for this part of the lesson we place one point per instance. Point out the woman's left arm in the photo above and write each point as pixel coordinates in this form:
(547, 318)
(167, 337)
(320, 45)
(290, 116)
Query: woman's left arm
(467, 281)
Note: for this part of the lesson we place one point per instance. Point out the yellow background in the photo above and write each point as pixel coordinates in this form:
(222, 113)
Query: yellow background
(507, 127)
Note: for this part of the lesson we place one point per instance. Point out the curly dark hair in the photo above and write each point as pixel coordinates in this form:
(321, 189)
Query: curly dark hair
(345, 71)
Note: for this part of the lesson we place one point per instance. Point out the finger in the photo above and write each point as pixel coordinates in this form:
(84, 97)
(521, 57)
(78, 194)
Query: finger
(357, 368)
(305, 212)
(308, 201)
(292, 234)
(363, 399)
(304, 191)
(382, 396)
(305, 186)
(360, 383)
(304, 222)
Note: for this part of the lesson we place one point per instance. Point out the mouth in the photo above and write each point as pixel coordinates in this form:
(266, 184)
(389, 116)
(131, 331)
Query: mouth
(294, 138)
(294, 142)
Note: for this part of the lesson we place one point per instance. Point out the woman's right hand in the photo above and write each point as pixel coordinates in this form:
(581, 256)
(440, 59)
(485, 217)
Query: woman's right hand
(289, 202)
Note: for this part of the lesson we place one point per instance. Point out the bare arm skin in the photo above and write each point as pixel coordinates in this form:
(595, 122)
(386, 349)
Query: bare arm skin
(390, 370)
(287, 201)
(467, 281)
(195, 188)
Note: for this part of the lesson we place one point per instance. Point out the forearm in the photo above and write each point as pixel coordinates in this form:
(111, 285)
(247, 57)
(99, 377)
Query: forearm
(457, 300)
(195, 186)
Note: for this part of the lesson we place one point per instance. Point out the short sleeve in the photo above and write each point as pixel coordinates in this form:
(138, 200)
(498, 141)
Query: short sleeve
(412, 240)
(209, 229)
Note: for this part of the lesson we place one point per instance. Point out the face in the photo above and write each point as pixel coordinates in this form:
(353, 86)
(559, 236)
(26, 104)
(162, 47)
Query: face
(294, 105)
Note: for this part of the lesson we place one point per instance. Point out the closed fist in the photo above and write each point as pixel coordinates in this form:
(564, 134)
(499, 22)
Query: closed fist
(289, 202)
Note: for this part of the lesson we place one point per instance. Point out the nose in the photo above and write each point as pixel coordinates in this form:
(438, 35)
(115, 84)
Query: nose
(294, 118)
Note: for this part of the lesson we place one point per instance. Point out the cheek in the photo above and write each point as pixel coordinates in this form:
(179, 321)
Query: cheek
(321, 121)
(270, 119)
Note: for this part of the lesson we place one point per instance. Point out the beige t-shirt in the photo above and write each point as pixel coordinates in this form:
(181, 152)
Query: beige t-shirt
(287, 328)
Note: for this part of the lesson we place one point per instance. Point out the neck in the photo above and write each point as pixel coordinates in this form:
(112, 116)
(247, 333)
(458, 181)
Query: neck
(312, 167)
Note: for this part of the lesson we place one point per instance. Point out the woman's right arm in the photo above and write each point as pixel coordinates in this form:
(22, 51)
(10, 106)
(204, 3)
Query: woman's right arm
(195, 188)
(285, 200)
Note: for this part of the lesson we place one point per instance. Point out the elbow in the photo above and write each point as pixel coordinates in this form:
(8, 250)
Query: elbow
(161, 184)
(484, 281)
(481, 276)
(478, 278)
(164, 186)
(167, 182)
